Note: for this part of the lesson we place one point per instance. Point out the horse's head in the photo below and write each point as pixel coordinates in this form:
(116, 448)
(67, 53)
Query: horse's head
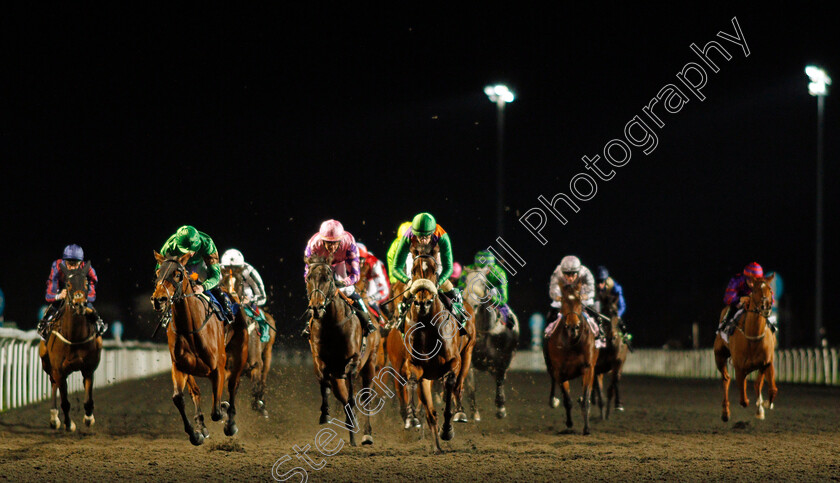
(76, 285)
(232, 282)
(171, 282)
(424, 282)
(571, 308)
(320, 285)
(761, 298)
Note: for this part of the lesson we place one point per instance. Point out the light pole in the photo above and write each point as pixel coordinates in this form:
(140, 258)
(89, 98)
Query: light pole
(500, 95)
(818, 87)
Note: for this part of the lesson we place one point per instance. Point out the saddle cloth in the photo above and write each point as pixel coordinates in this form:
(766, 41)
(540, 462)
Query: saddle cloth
(599, 344)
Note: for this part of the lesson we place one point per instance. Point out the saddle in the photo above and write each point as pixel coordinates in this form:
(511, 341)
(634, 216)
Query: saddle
(216, 306)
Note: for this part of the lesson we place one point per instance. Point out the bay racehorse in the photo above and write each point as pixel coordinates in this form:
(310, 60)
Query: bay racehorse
(495, 342)
(398, 358)
(71, 346)
(751, 348)
(259, 352)
(612, 357)
(436, 349)
(200, 345)
(340, 352)
(569, 350)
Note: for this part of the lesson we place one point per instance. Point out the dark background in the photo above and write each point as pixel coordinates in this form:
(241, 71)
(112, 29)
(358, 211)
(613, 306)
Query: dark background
(120, 125)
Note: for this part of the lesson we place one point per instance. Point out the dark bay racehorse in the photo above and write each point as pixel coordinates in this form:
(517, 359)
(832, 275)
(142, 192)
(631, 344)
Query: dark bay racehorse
(611, 358)
(71, 346)
(339, 351)
(751, 348)
(495, 344)
(436, 350)
(570, 352)
(200, 345)
(259, 352)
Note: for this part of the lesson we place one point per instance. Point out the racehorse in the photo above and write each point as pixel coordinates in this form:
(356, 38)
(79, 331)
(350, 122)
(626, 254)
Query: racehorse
(376, 315)
(495, 344)
(570, 352)
(436, 350)
(339, 350)
(611, 358)
(259, 352)
(750, 348)
(398, 358)
(71, 346)
(197, 345)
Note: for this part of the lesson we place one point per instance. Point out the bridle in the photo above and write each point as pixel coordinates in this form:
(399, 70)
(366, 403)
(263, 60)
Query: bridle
(763, 311)
(428, 303)
(328, 295)
(177, 296)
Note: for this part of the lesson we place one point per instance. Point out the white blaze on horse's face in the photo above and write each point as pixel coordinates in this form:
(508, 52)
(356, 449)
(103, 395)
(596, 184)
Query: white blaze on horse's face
(425, 265)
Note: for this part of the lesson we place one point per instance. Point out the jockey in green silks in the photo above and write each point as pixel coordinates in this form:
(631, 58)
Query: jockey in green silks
(495, 281)
(425, 234)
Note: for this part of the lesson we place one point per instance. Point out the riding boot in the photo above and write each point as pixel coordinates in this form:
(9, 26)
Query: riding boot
(455, 305)
(94, 318)
(227, 309)
(362, 312)
(729, 322)
(44, 323)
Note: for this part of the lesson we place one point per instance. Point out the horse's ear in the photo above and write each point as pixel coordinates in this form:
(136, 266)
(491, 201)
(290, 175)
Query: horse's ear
(578, 283)
(63, 268)
(86, 267)
(185, 258)
(160, 258)
(770, 278)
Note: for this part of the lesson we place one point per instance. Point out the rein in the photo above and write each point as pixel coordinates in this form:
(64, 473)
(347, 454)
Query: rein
(179, 295)
(762, 314)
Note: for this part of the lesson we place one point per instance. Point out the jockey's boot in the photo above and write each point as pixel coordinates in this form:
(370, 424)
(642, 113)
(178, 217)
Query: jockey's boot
(771, 322)
(227, 309)
(94, 318)
(455, 305)
(305, 331)
(728, 324)
(44, 324)
(362, 311)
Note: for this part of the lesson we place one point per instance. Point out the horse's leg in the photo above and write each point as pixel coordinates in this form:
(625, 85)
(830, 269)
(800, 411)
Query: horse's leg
(195, 392)
(567, 403)
(771, 380)
(597, 395)
(424, 391)
(69, 425)
(179, 380)
(266, 367)
(448, 431)
(55, 421)
(217, 381)
(741, 382)
(343, 390)
(472, 384)
(368, 372)
(720, 362)
(501, 373)
(586, 401)
(325, 403)
(616, 378)
(413, 401)
(553, 401)
(759, 401)
(88, 377)
(239, 361)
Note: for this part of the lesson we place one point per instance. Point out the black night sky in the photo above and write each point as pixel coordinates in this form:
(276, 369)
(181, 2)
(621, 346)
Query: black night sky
(120, 125)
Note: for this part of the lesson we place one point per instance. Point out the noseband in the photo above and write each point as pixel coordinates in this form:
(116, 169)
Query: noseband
(169, 276)
(329, 294)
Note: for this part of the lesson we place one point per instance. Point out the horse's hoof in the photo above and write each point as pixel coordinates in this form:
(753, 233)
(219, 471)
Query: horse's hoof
(225, 406)
(55, 423)
(72, 427)
(586, 431)
(216, 415)
(619, 408)
(725, 417)
(409, 423)
(768, 404)
(568, 431)
(447, 433)
(205, 432)
(476, 417)
(501, 412)
(264, 414)
(89, 420)
(324, 418)
(460, 417)
(367, 440)
(555, 402)
(231, 429)
(196, 438)
(416, 423)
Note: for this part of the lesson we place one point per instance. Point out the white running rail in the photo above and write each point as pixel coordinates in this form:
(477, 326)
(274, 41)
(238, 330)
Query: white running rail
(23, 381)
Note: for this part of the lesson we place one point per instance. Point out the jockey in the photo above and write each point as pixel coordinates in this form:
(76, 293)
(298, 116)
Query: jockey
(567, 273)
(495, 280)
(425, 232)
(71, 258)
(609, 289)
(252, 286)
(376, 287)
(392, 251)
(204, 258)
(339, 246)
(737, 294)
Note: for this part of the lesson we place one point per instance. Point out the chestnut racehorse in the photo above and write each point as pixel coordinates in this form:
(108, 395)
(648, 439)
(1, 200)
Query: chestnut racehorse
(611, 358)
(398, 358)
(259, 352)
(339, 350)
(751, 348)
(570, 352)
(197, 346)
(495, 344)
(71, 346)
(436, 350)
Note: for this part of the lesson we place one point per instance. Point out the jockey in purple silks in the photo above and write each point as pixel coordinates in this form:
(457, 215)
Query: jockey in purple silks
(737, 294)
(339, 248)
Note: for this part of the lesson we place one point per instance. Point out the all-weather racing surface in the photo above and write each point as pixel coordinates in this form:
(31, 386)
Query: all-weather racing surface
(671, 430)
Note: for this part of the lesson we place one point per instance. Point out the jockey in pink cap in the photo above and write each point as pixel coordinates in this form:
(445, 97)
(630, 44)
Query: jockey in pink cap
(339, 246)
(738, 293)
